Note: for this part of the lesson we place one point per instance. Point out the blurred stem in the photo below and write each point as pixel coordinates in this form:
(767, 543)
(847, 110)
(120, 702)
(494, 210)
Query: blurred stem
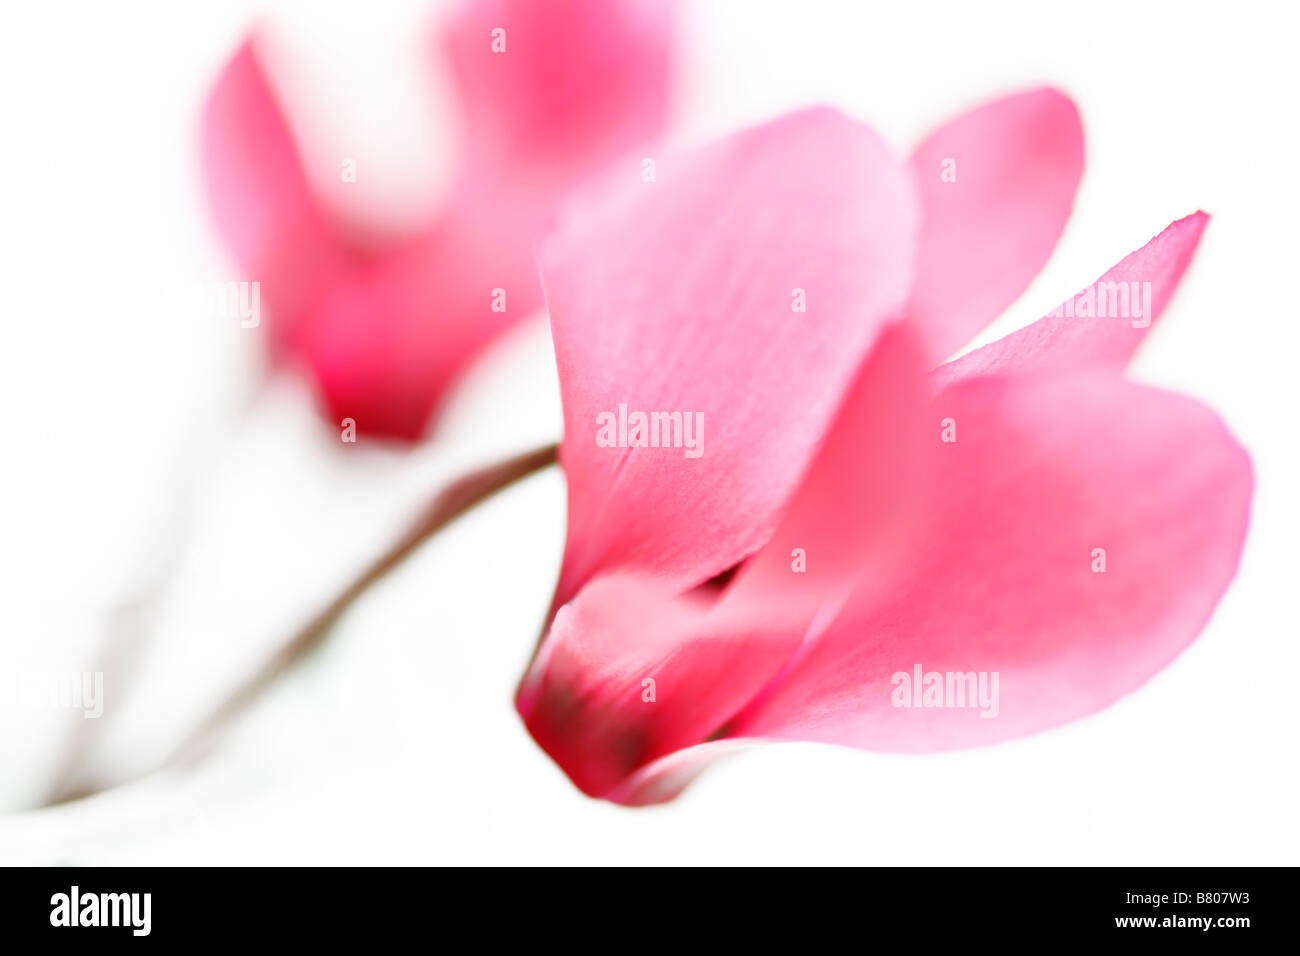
(123, 645)
(450, 504)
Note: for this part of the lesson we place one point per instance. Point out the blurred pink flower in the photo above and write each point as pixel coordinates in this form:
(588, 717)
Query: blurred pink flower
(384, 333)
(1022, 514)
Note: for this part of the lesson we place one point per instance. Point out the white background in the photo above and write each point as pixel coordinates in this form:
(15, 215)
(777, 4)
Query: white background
(142, 456)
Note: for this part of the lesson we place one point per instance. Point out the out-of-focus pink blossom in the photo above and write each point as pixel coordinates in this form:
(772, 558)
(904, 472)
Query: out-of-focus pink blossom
(854, 514)
(384, 332)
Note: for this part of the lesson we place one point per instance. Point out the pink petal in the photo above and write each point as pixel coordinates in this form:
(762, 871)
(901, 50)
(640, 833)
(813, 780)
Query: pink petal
(709, 655)
(1043, 472)
(862, 492)
(985, 235)
(385, 333)
(386, 341)
(624, 638)
(579, 82)
(258, 192)
(679, 294)
(1058, 342)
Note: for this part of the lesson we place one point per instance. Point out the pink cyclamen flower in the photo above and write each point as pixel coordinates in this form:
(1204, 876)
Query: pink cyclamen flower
(548, 92)
(862, 536)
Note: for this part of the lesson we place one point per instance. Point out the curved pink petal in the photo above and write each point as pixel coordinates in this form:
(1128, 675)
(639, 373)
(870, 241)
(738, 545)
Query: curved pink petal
(630, 673)
(1044, 472)
(258, 193)
(1102, 325)
(995, 187)
(682, 294)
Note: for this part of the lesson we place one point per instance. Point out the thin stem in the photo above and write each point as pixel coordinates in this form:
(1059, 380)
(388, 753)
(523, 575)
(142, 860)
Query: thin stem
(450, 504)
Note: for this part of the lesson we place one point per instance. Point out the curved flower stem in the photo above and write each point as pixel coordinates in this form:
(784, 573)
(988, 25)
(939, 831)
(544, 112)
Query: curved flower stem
(450, 504)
